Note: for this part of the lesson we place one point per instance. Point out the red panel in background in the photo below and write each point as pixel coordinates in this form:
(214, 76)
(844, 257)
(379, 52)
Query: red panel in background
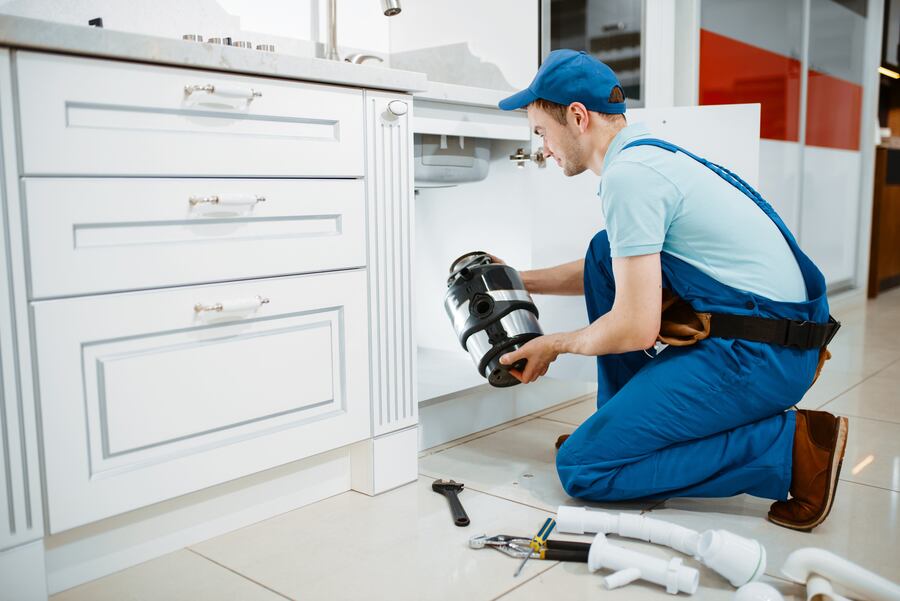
(732, 72)
(833, 112)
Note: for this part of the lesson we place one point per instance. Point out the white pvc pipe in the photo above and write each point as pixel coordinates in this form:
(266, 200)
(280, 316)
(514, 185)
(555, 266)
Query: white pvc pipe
(819, 589)
(757, 591)
(621, 578)
(739, 560)
(630, 565)
(578, 520)
(805, 564)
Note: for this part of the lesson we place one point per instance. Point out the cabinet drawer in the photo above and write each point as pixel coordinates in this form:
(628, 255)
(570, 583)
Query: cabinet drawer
(110, 234)
(83, 116)
(143, 398)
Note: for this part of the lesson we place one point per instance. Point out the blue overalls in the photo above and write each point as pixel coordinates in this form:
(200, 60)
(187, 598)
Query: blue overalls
(706, 420)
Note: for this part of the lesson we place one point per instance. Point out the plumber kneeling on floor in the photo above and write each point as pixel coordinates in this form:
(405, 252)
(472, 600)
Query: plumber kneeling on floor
(691, 257)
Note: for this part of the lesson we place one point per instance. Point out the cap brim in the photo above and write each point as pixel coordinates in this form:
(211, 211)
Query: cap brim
(518, 100)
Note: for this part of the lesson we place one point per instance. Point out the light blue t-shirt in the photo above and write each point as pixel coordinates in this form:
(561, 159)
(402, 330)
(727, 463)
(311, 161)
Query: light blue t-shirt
(654, 200)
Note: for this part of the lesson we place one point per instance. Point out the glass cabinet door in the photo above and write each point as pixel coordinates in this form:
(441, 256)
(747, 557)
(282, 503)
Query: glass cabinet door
(607, 29)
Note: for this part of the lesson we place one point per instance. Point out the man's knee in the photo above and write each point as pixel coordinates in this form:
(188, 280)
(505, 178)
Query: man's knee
(589, 482)
(567, 469)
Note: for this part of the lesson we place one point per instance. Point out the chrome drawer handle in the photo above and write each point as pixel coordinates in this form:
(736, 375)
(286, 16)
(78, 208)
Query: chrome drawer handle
(227, 199)
(238, 304)
(224, 91)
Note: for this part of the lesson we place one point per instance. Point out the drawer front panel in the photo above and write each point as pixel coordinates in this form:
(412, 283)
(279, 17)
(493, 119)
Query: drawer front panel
(89, 236)
(84, 116)
(144, 398)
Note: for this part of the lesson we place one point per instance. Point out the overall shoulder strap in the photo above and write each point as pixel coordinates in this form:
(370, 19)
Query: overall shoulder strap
(730, 177)
(791, 333)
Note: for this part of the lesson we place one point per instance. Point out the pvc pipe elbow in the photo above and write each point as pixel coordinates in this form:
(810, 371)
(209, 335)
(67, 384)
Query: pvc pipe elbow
(804, 564)
(819, 589)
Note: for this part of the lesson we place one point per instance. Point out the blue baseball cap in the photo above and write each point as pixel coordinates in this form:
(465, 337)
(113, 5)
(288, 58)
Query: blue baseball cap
(569, 76)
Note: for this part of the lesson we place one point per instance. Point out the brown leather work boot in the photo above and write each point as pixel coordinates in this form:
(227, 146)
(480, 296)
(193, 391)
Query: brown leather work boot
(561, 440)
(819, 442)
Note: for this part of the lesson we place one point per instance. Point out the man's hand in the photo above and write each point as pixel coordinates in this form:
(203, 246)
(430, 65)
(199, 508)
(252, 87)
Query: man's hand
(539, 353)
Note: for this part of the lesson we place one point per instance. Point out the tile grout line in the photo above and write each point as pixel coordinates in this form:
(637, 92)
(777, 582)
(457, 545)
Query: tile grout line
(492, 430)
(871, 419)
(247, 578)
(506, 425)
(864, 378)
(589, 396)
(558, 421)
(496, 496)
(524, 582)
(480, 435)
(524, 504)
(869, 485)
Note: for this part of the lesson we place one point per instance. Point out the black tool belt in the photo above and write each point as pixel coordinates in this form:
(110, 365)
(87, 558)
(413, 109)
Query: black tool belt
(784, 332)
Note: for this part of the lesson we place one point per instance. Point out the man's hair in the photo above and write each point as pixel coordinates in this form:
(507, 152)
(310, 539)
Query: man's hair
(558, 111)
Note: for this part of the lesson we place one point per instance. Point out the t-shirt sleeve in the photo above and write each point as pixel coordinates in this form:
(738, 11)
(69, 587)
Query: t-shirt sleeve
(639, 205)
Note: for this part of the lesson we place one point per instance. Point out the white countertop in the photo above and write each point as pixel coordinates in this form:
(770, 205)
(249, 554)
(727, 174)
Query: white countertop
(457, 94)
(20, 32)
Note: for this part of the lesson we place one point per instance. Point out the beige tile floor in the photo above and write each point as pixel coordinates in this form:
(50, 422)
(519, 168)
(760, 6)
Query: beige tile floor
(402, 545)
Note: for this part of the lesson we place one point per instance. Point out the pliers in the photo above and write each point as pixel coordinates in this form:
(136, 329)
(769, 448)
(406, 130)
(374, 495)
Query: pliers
(518, 547)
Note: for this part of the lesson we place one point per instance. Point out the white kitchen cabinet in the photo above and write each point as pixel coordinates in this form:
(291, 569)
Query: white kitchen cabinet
(95, 117)
(21, 529)
(391, 243)
(145, 398)
(211, 273)
(110, 234)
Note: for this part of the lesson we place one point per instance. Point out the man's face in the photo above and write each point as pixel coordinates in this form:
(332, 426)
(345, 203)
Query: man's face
(561, 142)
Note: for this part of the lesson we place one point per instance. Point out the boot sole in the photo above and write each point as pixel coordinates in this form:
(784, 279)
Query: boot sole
(837, 460)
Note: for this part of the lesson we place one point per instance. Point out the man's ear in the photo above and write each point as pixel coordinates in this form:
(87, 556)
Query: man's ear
(580, 116)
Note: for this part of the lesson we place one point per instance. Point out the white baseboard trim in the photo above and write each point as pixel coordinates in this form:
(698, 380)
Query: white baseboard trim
(22, 573)
(385, 462)
(95, 550)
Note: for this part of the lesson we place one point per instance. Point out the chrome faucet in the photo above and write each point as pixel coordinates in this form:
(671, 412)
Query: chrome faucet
(388, 7)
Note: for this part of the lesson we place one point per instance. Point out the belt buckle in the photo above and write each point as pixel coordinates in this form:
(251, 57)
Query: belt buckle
(793, 329)
(830, 336)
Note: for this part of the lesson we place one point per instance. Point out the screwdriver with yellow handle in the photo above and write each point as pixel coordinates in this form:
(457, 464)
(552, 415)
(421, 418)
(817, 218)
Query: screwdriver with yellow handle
(537, 542)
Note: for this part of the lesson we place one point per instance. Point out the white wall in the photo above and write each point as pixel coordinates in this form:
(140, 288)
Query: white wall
(361, 24)
(502, 34)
